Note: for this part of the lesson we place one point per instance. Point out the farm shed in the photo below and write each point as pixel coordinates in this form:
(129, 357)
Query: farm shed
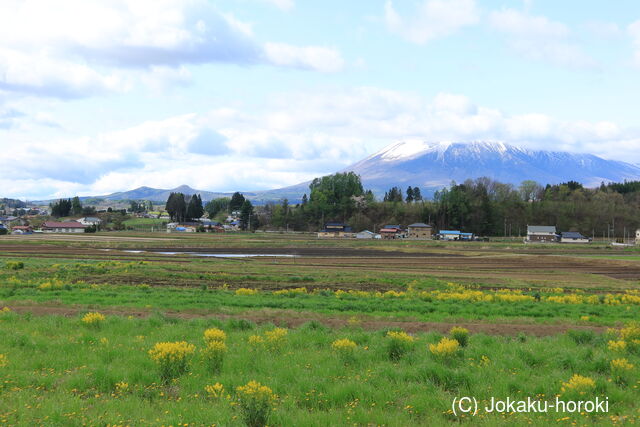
(63, 227)
(335, 229)
(419, 230)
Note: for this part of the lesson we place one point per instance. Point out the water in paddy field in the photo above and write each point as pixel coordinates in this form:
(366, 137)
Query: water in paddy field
(201, 254)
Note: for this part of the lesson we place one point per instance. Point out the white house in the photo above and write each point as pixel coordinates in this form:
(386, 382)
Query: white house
(541, 233)
(366, 234)
(573, 237)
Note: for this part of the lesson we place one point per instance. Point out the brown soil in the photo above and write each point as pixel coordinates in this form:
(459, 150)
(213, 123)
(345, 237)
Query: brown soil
(293, 319)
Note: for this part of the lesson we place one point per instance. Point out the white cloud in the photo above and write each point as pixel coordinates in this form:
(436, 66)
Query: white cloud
(604, 29)
(292, 138)
(538, 38)
(317, 58)
(74, 48)
(285, 5)
(634, 32)
(433, 19)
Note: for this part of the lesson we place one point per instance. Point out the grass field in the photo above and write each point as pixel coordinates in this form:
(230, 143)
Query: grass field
(537, 316)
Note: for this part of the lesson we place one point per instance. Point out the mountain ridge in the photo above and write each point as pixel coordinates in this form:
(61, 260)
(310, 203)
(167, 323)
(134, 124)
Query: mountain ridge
(435, 165)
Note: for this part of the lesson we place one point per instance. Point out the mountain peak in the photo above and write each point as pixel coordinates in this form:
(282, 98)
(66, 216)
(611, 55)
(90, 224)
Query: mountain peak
(414, 148)
(434, 165)
(184, 188)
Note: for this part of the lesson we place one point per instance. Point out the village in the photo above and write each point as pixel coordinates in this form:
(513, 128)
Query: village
(540, 234)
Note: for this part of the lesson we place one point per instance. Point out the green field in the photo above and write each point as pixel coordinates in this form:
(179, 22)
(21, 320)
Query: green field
(537, 316)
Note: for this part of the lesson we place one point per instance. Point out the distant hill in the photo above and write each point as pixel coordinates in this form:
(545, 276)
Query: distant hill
(433, 166)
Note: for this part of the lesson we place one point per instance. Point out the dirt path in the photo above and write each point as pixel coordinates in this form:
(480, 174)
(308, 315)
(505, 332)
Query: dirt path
(294, 319)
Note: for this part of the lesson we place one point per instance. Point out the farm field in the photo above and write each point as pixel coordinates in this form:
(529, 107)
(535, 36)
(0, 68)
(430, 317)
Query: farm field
(535, 316)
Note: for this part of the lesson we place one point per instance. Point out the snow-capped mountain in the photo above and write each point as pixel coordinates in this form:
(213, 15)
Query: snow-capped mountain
(434, 165)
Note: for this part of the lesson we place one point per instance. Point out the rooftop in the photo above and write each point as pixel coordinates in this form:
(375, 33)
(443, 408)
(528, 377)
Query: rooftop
(541, 229)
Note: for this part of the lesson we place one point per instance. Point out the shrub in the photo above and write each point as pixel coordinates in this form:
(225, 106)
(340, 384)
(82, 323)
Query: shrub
(94, 320)
(460, 334)
(14, 265)
(172, 358)
(345, 349)
(445, 348)
(214, 334)
(255, 402)
(581, 336)
(240, 324)
(398, 344)
(213, 355)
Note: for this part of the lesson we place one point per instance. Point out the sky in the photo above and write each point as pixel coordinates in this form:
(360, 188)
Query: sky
(105, 96)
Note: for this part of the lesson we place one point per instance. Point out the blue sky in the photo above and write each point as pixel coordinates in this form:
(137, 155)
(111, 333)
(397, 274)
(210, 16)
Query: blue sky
(104, 96)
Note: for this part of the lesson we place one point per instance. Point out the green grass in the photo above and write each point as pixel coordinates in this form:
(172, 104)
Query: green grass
(90, 283)
(61, 372)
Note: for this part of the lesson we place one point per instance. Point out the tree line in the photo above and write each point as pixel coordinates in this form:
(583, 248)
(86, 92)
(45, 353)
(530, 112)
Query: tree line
(481, 206)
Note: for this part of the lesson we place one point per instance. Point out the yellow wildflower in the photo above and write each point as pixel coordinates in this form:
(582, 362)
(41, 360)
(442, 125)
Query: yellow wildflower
(215, 391)
(579, 384)
(93, 319)
(246, 291)
(446, 347)
(214, 334)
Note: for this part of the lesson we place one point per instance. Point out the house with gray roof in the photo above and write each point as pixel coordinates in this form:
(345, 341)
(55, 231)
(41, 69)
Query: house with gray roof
(541, 234)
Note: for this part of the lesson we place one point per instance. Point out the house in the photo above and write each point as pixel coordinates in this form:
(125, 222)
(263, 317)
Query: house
(7, 220)
(21, 229)
(541, 234)
(63, 227)
(335, 229)
(90, 220)
(638, 236)
(419, 230)
(183, 227)
(573, 237)
(454, 235)
(392, 231)
(2, 227)
(366, 234)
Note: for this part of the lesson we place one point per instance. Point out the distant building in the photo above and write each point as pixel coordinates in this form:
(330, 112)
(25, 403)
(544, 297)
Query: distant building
(419, 230)
(638, 236)
(335, 229)
(63, 227)
(90, 220)
(392, 231)
(573, 237)
(366, 234)
(7, 220)
(183, 227)
(541, 233)
(454, 235)
(21, 229)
